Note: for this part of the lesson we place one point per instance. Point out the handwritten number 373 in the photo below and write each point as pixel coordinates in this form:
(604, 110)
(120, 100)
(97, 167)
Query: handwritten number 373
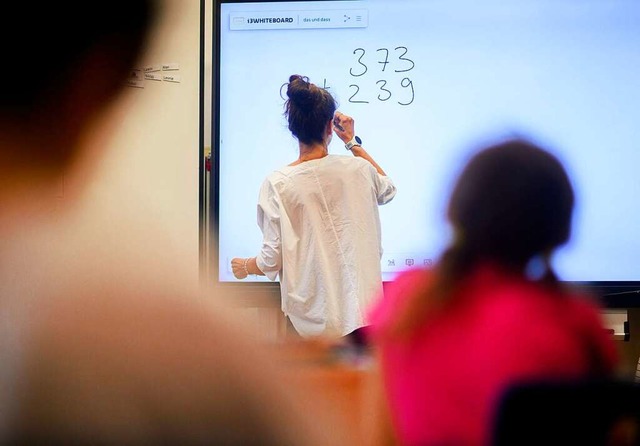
(405, 64)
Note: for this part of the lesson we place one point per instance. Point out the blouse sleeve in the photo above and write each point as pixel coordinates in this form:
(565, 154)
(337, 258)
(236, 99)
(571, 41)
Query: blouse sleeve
(269, 260)
(385, 189)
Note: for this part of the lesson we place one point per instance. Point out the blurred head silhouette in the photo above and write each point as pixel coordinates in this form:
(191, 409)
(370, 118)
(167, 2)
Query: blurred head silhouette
(72, 61)
(511, 206)
(513, 201)
(96, 348)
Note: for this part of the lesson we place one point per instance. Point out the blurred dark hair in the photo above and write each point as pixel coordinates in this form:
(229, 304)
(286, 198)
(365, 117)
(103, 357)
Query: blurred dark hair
(308, 109)
(44, 42)
(512, 202)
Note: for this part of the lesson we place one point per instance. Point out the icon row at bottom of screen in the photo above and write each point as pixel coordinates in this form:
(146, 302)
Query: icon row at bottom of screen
(396, 263)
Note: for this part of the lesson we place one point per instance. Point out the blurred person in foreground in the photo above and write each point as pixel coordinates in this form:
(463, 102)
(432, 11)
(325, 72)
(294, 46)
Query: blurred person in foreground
(491, 313)
(96, 348)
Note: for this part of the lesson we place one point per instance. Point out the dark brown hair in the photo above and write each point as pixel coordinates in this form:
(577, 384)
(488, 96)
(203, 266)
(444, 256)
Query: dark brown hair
(512, 201)
(44, 45)
(308, 109)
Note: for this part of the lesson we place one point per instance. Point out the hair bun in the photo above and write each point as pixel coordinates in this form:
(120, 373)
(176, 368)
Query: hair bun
(300, 92)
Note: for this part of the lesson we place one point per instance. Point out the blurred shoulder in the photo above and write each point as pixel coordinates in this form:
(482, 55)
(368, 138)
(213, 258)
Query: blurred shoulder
(397, 292)
(409, 280)
(157, 363)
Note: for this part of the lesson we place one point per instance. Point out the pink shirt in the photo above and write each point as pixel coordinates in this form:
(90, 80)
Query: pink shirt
(444, 382)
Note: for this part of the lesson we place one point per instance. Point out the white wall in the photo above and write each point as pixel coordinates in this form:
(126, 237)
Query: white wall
(144, 192)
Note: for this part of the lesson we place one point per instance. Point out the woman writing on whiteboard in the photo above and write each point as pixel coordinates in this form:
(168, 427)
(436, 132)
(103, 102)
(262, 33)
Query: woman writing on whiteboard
(320, 222)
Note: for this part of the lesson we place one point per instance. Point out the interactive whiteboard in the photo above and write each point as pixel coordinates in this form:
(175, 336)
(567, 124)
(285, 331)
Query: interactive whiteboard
(428, 83)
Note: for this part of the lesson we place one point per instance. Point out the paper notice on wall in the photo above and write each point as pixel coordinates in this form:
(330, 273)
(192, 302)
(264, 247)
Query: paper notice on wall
(153, 76)
(171, 78)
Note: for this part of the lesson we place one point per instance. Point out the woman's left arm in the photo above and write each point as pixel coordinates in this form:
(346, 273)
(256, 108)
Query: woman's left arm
(269, 261)
(243, 267)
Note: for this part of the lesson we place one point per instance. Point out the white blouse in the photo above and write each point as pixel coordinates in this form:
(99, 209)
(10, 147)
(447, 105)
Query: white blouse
(321, 235)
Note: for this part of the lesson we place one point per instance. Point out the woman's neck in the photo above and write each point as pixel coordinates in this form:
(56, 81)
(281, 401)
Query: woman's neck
(311, 152)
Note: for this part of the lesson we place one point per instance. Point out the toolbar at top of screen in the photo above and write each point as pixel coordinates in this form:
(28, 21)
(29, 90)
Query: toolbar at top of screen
(278, 20)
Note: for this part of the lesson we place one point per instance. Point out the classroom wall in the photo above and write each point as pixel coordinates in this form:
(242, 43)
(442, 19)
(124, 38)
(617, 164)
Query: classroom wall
(142, 188)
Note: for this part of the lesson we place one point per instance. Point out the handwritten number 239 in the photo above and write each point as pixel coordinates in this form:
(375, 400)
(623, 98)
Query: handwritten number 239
(384, 93)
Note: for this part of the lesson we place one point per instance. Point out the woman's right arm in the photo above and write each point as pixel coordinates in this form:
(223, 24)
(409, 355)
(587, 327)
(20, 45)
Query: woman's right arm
(343, 126)
(361, 153)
